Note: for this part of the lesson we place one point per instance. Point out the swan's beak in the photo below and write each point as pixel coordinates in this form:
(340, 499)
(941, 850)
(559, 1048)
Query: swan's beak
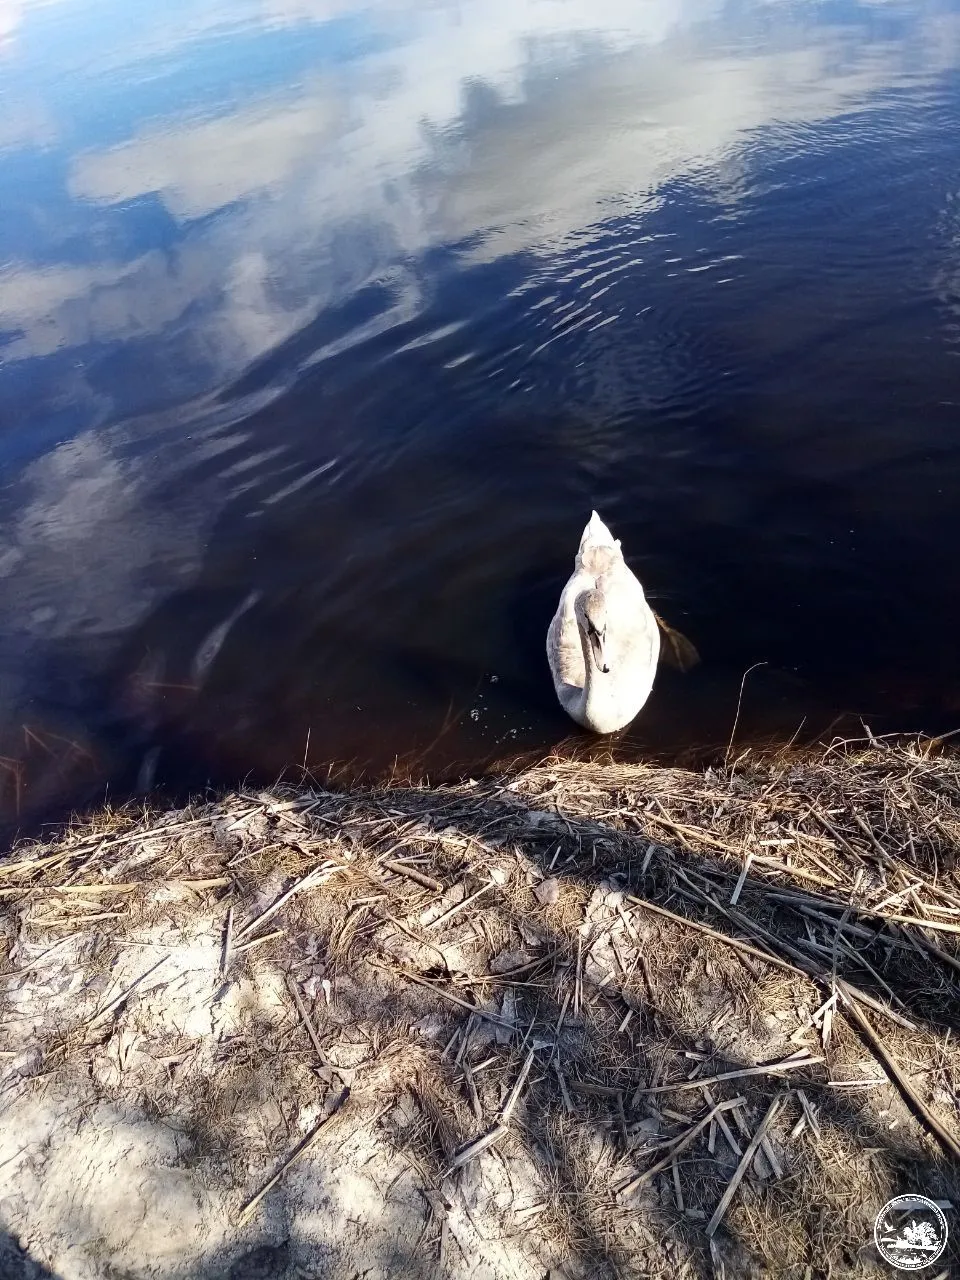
(596, 648)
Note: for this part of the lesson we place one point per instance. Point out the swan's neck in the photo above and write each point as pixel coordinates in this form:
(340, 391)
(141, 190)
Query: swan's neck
(599, 704)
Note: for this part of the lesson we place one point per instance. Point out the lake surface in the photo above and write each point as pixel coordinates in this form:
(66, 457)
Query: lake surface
(324, 325)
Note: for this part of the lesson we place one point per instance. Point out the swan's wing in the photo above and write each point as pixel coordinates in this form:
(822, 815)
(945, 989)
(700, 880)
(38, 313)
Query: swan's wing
(676, 650)
(564, 650)
(633, 637)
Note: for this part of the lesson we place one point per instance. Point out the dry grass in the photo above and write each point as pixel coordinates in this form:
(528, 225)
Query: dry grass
(613, 975)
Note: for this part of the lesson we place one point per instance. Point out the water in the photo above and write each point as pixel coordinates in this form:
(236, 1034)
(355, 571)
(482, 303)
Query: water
(323, 326)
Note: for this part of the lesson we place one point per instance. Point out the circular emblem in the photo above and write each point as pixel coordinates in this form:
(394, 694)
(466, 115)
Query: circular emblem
(910, 1232)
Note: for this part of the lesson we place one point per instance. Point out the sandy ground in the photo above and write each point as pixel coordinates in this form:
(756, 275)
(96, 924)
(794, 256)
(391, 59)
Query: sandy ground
(510, 1029)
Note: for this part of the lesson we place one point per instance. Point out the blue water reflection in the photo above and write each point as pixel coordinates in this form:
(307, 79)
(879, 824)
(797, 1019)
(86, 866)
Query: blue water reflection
(355, 306)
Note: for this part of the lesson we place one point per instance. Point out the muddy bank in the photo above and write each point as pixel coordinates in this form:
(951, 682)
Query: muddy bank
(587, 1020)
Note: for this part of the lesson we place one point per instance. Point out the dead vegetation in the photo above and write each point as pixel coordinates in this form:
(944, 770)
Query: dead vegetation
(590, 1020)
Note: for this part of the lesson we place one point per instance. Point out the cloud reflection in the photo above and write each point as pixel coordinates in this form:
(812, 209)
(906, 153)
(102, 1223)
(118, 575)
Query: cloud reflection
(86, 519)
(200, 168)
(514, 126)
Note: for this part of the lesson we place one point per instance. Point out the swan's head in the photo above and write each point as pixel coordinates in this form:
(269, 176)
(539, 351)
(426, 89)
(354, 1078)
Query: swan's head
(591, 611)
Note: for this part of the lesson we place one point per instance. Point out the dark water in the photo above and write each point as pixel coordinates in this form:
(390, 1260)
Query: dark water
(324, 325)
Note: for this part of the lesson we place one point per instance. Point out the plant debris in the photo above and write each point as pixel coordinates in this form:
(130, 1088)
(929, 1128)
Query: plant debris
(586, 1020)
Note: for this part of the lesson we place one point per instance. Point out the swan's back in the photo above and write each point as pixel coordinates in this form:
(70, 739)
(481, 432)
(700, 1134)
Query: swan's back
(600, 559)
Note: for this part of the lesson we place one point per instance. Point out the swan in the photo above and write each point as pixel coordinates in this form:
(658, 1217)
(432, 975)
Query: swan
(604, 641)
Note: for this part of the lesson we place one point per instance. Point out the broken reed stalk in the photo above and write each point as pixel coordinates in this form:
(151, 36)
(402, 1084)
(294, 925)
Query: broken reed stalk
(948, 1143)
(772, 1112)
(239, 949)
(735, 943)
(83, 890)
(82, 846)
(478, 1146)
(678, 1148)
(775, 1069)
(493, 1136)
(721, 1122)
(804, 966)
(506, 1111)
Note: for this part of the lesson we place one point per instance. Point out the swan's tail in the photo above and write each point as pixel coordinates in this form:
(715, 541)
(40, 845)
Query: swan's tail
(599, 550)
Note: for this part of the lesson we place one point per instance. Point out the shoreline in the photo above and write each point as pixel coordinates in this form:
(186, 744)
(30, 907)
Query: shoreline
(499, 1027)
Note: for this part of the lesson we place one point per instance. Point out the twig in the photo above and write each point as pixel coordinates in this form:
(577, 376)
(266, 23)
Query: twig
(788, 1064)
(309, 880)
(411, 873)
(837, 835)
(398, 924)
(445, 995)
(227, 943)
(305, 1018)
(57, 922)
(944, 1137)
(867, 830)
(256, 942)
(938, 954)
(682, 831)
(715, 933)
(82, 847)
(84, 890)
(458, 907)
(298, 1153)
(744, 1165)
(117, 1001)
(804, 966)
(852, 954)
(736, 718)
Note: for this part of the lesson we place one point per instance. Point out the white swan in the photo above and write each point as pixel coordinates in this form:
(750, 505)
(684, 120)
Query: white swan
(604, 641)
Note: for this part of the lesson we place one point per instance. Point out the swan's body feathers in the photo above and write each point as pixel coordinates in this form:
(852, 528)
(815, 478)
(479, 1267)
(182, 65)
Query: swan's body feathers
(604, 641)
